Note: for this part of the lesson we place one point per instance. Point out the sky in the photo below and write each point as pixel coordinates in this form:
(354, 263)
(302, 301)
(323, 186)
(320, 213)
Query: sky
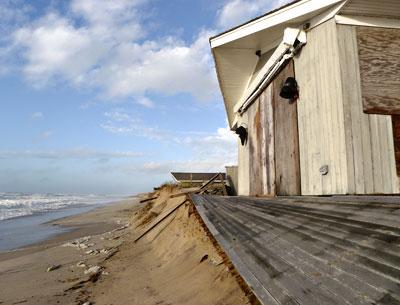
(109, 96)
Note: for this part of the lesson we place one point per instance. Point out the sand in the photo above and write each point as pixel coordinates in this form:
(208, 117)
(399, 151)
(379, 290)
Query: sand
(176, 262)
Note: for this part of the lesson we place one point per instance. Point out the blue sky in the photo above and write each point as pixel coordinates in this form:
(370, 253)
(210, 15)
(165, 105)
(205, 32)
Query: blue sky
(109, 96)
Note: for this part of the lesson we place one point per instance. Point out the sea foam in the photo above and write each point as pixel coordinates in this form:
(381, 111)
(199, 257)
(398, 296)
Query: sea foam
(16, 204)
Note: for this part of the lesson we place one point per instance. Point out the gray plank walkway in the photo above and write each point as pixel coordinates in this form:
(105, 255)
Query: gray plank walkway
(311, 250)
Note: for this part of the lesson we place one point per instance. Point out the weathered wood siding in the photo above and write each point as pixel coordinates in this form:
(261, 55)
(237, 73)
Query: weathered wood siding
(287, 164)
(320, 114)
(396, 140)
(376, 8)
(243, 164)
(369, 138)
(261, 145)
(256, 158)
(379, 57)
(256, 149)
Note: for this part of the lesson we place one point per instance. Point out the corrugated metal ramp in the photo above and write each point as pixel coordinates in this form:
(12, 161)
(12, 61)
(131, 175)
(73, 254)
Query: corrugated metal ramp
(311, 250)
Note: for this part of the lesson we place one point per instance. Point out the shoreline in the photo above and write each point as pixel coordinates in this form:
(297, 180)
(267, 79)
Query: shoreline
(28, 230)
(23, 271)
(66, 227)
(154, 252)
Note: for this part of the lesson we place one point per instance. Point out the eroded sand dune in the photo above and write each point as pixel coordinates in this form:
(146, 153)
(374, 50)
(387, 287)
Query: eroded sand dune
(174, 263)
(100, 262)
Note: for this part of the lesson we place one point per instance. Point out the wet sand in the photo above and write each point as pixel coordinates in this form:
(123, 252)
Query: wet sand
(23, 273)
(101, 261)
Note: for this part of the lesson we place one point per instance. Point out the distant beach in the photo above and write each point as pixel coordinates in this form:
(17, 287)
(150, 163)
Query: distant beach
(128, 252)
(24, 218)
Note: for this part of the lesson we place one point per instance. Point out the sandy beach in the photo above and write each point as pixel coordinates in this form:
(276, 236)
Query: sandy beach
(102, 261)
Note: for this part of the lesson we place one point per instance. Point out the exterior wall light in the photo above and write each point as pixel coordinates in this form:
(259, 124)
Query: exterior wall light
(241, 131)
(290, 90)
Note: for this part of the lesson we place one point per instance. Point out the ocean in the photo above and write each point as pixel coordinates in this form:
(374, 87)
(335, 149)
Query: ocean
(23, 217)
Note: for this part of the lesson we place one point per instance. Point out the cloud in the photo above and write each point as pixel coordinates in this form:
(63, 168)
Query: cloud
(12, 14)
(37, 115)
(236, 12)
(104, 45)
(120, 122)
(192, 165)
(75, 153)
(209, 152)
(144, 101)
(223, 142)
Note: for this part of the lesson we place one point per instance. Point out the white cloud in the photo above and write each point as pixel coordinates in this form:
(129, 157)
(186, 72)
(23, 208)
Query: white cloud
(120, 122)
(193, 165)
(235, 12)
(37, 115)
(12, 13)
(209, 152)
(53, 47)
(101, 44)
(75, 153)
(144, 101)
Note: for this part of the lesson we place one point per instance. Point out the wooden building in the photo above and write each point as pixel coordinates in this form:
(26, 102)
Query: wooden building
(340, 132)
(188, 179)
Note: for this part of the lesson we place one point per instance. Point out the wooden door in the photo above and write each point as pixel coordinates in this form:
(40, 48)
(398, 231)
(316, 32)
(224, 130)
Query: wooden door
(286, 139)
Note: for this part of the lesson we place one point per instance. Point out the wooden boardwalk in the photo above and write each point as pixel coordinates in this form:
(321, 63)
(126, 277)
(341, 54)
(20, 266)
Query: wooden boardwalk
(311, 250)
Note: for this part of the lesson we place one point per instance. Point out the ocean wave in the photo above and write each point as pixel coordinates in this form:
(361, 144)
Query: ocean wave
(17, 204)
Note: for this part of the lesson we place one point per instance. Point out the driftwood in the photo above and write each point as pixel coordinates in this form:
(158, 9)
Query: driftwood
(158, 222)
(148, 199)
(209, 186)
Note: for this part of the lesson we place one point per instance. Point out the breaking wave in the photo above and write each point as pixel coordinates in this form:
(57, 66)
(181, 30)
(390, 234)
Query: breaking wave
(16, 204)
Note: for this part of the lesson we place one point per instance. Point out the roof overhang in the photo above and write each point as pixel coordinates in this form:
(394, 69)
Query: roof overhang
(234, 51)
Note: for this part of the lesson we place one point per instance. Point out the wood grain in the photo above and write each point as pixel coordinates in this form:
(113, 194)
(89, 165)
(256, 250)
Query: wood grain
(261, 145)
(379, 56)
(396, 138)
(243, 163)
(311, 250)
(320, 113)
(369, 139)
(287, 160)
(255, 149)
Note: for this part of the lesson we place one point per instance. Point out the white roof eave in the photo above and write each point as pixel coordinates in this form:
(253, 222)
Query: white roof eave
(282, 16)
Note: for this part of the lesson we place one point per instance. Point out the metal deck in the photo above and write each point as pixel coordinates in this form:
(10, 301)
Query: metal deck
(311, 250)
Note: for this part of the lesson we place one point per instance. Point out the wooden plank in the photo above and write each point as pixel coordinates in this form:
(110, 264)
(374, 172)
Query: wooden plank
(396, 138)
(381, 8)
(298, 250)
(286, 141)
(268, 144)
(158, 221)
(148, 199)
(205, 185)
(320, 112)
(243, 163)
(255, 131)
(261, 145)
(379, 56)
(369, 147)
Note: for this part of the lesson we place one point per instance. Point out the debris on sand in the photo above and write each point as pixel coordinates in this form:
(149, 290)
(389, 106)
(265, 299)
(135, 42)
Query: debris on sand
(53, 267)
(80, 243)
(81, 264)
(93, 270)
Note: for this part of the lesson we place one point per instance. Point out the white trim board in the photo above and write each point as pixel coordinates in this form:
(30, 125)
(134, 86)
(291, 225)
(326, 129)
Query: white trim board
(368, 21)
(279, 17)
(327, 15)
